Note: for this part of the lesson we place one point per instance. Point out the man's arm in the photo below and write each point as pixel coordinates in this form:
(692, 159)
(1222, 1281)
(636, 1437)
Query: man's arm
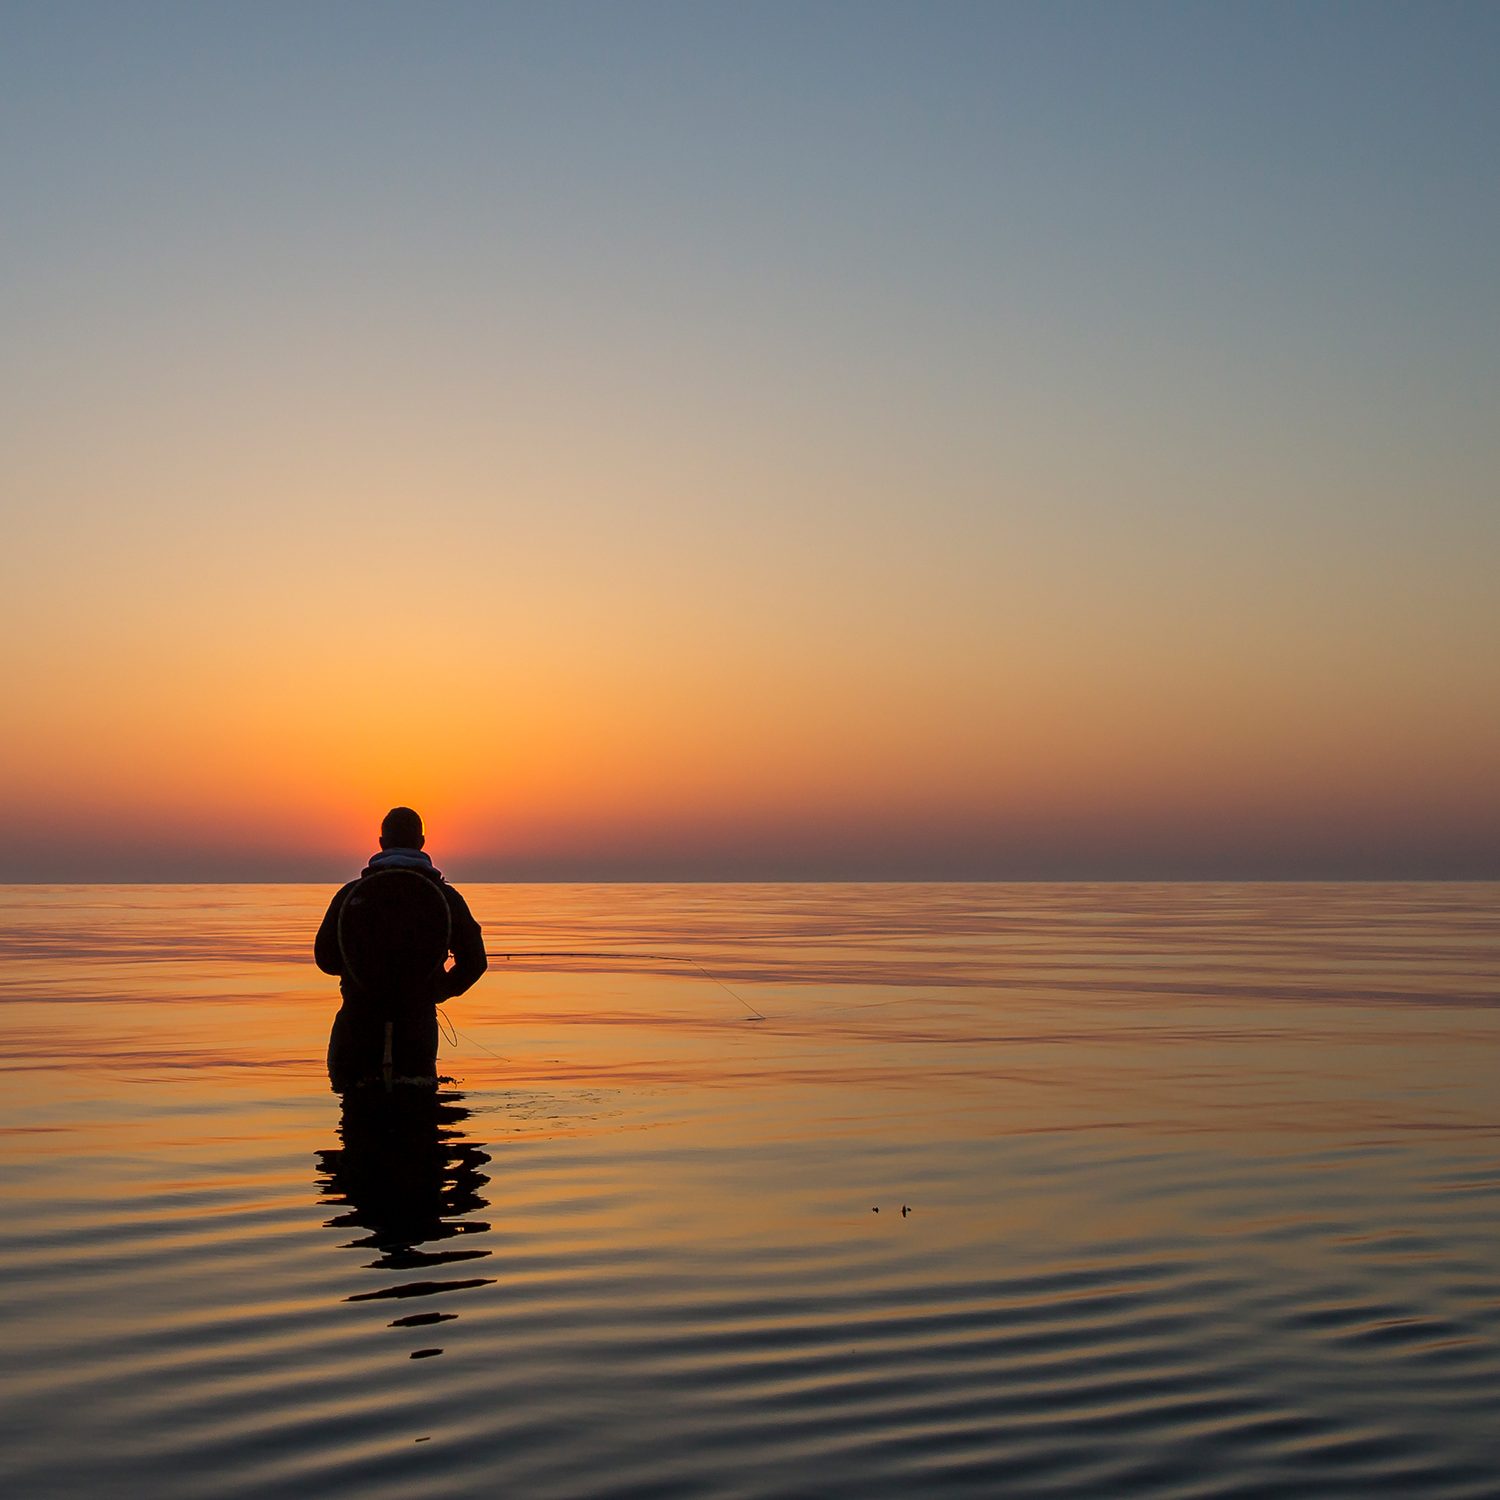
(326, 953)
(466, 942)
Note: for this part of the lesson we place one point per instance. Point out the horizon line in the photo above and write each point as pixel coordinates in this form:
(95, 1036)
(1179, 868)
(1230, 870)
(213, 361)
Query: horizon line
(818, 880)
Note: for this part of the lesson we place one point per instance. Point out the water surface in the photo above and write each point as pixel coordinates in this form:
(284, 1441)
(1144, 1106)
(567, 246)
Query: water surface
(1201, 1186)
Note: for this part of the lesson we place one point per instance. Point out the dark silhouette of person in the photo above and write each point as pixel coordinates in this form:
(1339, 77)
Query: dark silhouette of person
(388, 936)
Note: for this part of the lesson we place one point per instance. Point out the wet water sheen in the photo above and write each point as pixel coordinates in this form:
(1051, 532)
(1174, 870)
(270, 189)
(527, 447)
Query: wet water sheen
(1182, 1191)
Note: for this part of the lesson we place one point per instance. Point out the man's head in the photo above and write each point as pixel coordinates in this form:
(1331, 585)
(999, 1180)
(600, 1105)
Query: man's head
(401, 828)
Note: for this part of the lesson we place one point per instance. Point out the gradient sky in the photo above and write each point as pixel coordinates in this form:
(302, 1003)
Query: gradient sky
(704, 441)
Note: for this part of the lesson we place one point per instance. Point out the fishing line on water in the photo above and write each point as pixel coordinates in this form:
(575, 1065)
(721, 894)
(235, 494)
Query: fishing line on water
(660, 958)
(678, 958)
(453, 1033)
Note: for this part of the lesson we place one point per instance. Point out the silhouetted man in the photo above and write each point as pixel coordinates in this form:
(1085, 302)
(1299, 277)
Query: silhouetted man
(388, 936)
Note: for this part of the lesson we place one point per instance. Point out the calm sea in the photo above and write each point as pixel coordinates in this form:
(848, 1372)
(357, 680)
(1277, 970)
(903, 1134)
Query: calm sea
(1072, 1190)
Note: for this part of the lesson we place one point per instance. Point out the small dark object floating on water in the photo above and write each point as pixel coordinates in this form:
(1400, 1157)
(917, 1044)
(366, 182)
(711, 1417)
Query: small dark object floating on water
(423, 1353)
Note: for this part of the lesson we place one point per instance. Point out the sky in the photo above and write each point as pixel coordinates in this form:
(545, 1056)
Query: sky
(711, 441)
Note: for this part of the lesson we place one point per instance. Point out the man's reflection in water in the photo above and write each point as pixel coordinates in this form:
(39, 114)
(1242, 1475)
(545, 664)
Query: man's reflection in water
(411, 1178)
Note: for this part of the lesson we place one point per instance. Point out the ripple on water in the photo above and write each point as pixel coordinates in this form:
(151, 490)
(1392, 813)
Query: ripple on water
(1204, 1189)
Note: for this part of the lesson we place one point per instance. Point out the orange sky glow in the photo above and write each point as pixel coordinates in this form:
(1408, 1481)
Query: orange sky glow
(747, 488)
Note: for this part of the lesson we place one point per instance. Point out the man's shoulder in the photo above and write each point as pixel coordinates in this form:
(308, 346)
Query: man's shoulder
(455, 898)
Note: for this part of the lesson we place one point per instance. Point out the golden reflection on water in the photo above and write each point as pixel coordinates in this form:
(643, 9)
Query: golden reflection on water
(1122, 1119)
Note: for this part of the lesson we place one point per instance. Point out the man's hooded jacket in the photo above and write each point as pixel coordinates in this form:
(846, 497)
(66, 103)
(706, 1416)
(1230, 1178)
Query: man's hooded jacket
(466, 942)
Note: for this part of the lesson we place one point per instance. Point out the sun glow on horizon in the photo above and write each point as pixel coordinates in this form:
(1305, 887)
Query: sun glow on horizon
(870, 472)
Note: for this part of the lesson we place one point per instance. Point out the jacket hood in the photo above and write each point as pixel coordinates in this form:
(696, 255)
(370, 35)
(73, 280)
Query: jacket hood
(402, 859)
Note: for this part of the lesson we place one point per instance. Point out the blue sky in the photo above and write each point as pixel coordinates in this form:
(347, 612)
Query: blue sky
(972, 364)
